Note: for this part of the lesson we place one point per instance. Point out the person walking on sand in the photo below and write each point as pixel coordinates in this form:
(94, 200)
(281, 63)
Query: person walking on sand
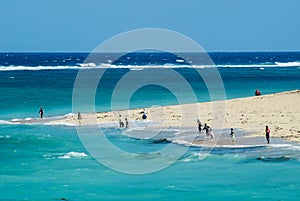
(41, 112)
(126, 123)
(232, 135)
(199, 125)
(121, 123)
(268, 134)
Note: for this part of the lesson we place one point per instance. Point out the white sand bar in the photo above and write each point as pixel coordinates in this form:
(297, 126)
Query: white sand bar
(280, 111)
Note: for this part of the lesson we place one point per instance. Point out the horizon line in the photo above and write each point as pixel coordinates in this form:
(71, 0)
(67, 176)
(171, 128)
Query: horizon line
(89, 52)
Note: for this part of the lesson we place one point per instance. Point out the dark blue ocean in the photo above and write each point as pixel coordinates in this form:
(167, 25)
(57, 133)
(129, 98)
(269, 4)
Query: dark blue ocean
(48, 162)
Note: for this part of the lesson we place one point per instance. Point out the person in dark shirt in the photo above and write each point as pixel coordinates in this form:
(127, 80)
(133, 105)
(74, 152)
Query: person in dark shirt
(41, 112)
(268, 134)
(199, 125)
(257, 92)
(232, 135)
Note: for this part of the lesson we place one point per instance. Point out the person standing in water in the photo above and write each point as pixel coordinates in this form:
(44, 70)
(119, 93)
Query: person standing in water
(206, 128)
(199, 125)
(208, 131)
(121, 123)
(41, 112)
(126, 123)
(232, 135)
(268, 134)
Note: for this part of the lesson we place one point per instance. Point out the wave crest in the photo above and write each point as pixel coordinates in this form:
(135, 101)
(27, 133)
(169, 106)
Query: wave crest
(140, 67)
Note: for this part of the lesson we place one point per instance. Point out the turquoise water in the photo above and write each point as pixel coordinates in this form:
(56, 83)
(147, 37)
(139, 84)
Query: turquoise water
(49, 162)
(22, 92)
(37, 164)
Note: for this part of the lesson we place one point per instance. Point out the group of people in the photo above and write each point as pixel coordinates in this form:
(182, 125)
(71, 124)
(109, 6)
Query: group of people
(206, 128)
(268, 131)
(144, 114)
(126, 124)
(122, 124)
(209, 132)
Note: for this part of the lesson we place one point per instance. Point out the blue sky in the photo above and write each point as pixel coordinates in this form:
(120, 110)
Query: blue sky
(217, 25)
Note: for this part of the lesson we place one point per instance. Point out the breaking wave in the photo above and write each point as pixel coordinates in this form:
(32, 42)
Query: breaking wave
(179, 64)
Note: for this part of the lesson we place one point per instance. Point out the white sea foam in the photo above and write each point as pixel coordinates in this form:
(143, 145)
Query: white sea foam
(179, 60)
(73, 154)
(14, 120)
(59, 124)
(169, 65)
(241, 146)
(180, 64)
(136, 68)
(261, 66)
(34, 121)
(6, 122)
(279, 145)
(36, 68)
(184, 142)
(287, 146)
(87, 65)
(68, 155)
(288, 64)
(69, 114)
(6, 136)
(195, 157)
(188, 159)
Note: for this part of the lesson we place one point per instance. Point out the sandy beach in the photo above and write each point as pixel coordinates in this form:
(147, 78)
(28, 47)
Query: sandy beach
(280, 111)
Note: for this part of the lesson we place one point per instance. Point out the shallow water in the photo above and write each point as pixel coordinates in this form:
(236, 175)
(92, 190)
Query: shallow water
(49, 163)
